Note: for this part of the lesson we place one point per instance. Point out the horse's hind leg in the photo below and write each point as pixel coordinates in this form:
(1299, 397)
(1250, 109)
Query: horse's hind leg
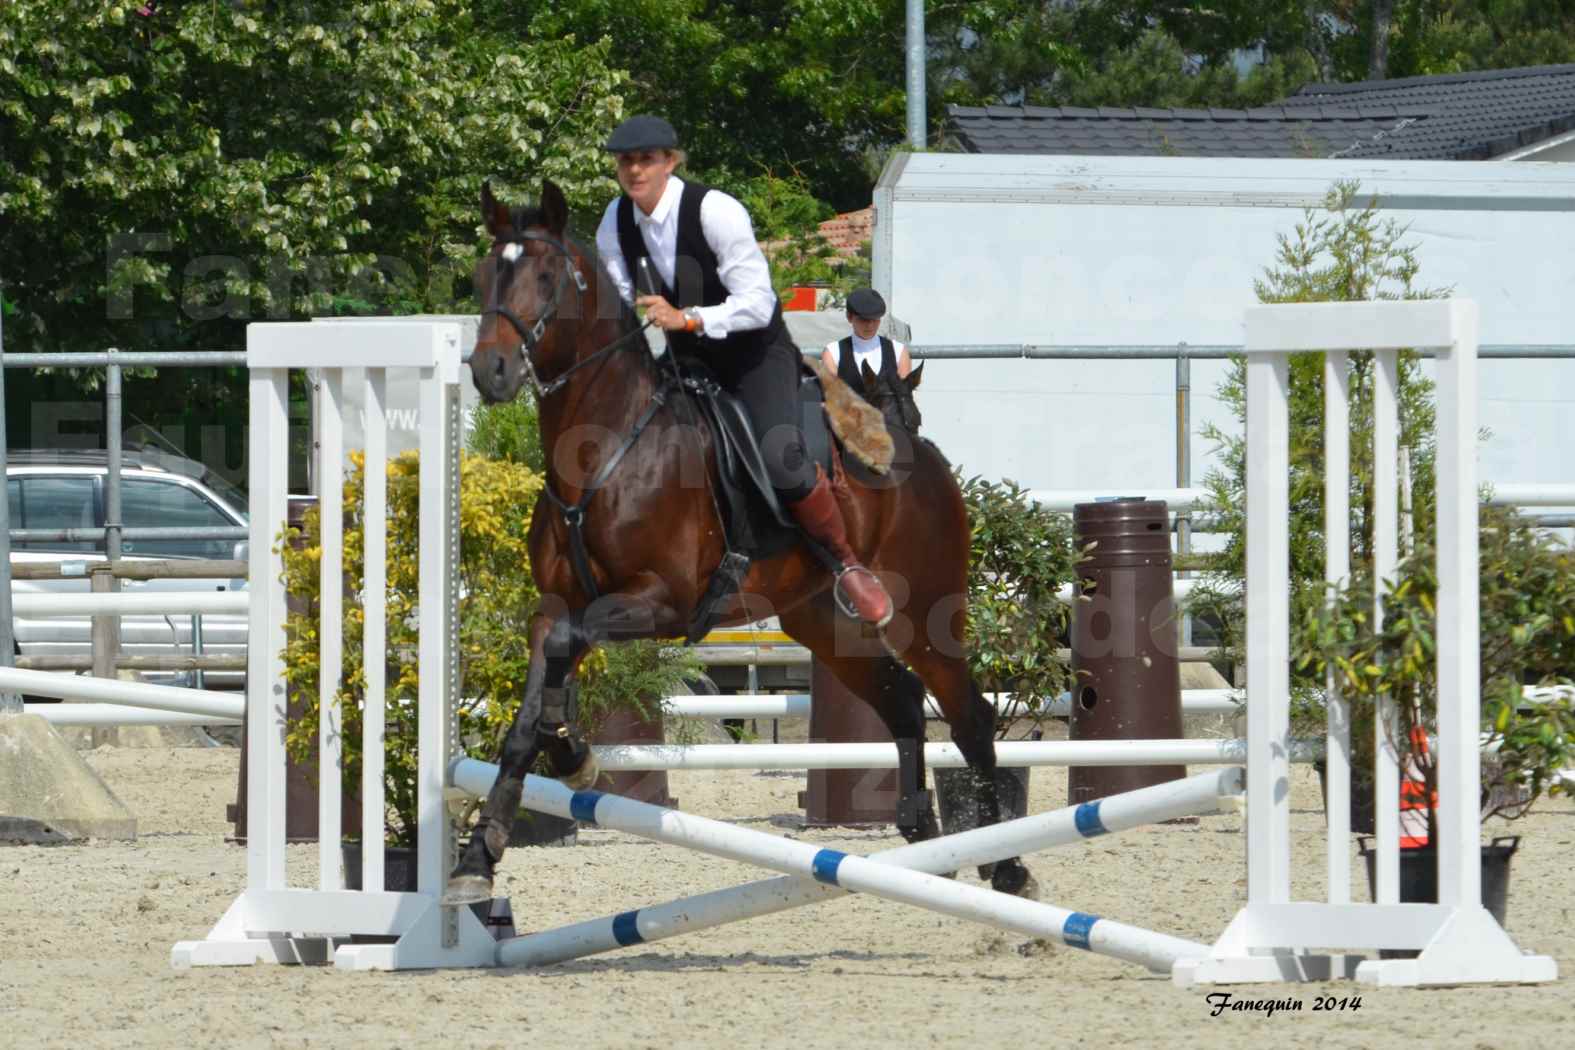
(972, 721)
(895, 693)
(556, 648)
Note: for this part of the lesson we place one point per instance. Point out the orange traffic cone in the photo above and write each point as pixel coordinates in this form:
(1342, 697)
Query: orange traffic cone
(1415, 802)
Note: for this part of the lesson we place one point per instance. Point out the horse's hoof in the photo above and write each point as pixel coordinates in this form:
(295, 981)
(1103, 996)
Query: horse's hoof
(467, 889)
(583, 778)
(1011, 878)
(1029, 890)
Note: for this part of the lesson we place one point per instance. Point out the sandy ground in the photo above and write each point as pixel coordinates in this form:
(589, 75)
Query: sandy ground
(85, 944)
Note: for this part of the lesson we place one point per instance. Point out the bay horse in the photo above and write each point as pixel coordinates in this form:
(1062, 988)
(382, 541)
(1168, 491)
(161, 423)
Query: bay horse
(622, 457)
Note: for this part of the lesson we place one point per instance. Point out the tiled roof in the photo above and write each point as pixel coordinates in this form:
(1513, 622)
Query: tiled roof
(848, 231)
(1464, 116)
(1271, 131)
(1473, 116)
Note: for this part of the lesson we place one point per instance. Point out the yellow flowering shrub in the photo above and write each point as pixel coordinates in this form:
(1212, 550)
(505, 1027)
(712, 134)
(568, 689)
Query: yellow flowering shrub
(497, 598)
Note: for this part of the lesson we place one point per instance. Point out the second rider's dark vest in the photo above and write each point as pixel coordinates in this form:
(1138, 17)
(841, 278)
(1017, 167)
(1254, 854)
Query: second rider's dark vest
(848, 368)
(694, 273)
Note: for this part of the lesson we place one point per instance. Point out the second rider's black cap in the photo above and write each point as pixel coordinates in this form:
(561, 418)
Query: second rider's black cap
(642, 132)
(867, 303)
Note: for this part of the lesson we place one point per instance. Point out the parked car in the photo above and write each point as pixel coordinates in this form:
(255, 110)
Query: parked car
(59, 489)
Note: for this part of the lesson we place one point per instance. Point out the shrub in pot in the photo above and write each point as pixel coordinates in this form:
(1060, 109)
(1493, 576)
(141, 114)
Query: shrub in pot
(1527, 608)
(497, 596)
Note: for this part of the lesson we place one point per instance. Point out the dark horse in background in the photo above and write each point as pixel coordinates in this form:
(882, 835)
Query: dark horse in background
(551, 317)
(892, 395)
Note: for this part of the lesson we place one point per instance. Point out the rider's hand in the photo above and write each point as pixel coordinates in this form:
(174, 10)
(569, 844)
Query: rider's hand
(661, 313)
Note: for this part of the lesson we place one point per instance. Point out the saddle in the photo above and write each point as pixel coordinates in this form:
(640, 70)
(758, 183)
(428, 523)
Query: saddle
(755, 523)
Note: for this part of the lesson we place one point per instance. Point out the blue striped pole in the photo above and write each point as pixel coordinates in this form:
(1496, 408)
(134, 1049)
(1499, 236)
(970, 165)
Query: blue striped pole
(835, 870)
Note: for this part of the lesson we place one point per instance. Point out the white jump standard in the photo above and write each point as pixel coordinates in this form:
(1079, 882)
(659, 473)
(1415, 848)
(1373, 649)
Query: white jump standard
(1274, 938)
(272, 921)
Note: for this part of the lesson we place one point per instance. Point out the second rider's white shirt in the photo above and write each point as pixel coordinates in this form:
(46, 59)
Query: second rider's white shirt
(739, 262)
(865, 351)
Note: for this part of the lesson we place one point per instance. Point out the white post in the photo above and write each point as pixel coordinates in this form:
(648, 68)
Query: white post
(267, 475)
(330, 507)
(1337, 569)
(1459, 671)
(374, 643)
(1268, 626)
(1386, 545)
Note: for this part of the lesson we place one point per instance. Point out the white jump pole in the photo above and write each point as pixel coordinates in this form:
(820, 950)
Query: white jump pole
(1157, 951)
(797, 705)
(1178, 798)
(643, 757)
(209, 704)
(121, 715)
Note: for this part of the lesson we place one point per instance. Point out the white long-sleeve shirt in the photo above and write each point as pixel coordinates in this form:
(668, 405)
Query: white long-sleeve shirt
(740, 264)
(865, 351)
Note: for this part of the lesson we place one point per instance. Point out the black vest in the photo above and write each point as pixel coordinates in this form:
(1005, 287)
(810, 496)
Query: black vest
(694, 273)
(848, 369)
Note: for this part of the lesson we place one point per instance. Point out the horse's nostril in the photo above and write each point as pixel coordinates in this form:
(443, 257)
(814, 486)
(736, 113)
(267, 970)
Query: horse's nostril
(498, 367)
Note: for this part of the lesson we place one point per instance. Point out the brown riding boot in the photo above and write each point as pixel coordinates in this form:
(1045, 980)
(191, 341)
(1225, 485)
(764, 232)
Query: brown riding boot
(857, 590)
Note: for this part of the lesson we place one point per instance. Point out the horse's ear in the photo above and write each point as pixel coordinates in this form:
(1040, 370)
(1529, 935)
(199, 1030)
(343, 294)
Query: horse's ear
(870, 378)
(554, 208)
(914, 376)
(493, 213)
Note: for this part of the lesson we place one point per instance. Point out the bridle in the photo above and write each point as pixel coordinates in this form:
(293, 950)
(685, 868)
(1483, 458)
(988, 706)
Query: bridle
(532, 334)
(573, 513)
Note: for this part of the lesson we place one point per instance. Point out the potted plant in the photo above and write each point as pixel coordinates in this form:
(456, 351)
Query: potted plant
(1527, 609)
(1021, 556)
(1339, 253)
(497, 598)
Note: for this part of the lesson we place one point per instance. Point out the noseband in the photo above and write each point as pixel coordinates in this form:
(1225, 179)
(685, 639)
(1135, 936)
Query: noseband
(532, 334)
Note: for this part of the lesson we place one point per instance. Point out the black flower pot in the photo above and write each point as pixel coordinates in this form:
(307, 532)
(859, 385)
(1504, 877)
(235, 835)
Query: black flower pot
(1419, 878)
(399, 867)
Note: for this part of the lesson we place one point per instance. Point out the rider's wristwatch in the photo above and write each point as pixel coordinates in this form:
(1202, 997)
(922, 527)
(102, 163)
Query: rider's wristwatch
(692, 322)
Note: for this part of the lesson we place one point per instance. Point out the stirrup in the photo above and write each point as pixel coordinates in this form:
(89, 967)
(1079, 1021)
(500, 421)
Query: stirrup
(845, 605)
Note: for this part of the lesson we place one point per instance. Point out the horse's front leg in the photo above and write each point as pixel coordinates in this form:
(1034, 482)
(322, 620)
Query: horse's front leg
(557, 645)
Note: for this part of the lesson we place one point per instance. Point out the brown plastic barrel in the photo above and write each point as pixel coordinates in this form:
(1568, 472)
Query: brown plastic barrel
(839, 798)
(1124, 642)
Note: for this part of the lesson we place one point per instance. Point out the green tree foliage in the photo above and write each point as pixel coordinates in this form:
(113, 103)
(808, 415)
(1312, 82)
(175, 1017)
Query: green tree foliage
(1455, 36)
(802, 85)
(1345, 253)
(170, 176)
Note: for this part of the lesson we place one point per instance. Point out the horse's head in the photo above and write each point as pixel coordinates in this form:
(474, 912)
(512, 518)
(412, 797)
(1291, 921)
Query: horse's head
(530, 279)
(894, 397)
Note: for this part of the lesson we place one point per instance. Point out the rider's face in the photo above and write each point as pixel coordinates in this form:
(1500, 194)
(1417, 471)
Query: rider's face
(864, 327)
(643, 175)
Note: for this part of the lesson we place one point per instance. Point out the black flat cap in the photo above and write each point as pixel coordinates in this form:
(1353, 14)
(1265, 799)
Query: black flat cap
(642, 132)
(867, 303)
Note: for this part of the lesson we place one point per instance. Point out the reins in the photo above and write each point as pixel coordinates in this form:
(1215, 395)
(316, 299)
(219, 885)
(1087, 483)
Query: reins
(574, 513)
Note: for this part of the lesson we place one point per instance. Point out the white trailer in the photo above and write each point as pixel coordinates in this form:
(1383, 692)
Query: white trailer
(1085, 251)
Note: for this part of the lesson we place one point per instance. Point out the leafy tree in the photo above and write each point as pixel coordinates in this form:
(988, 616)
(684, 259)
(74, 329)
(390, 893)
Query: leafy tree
(1347, 253)
(174, 173)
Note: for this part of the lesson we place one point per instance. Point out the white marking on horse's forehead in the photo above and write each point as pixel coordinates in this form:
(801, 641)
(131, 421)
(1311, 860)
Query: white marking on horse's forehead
(512, 252)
